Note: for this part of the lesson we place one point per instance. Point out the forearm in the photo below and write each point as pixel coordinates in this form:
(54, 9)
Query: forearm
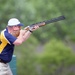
(19, 40)
(28, 33)
(26, 36)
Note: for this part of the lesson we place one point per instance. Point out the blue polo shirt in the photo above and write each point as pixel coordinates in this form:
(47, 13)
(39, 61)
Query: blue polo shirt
(6, 45)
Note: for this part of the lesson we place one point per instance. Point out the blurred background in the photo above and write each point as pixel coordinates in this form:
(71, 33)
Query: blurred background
(51, 49)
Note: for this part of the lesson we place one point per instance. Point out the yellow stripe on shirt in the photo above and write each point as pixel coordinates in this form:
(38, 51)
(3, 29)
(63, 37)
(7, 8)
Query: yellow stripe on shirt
(3, 40)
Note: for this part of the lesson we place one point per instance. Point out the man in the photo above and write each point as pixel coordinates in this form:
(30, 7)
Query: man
(9, 37)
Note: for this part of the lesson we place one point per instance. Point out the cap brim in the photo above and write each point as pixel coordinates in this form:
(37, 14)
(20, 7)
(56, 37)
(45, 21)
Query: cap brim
(20, 24)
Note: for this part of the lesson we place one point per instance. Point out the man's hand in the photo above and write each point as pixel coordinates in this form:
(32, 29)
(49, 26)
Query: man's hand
(33, 28)
(22, 32)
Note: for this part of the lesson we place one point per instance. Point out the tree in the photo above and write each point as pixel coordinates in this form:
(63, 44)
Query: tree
(57, 59)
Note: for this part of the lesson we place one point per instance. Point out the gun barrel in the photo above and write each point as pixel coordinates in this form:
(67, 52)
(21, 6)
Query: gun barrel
(40, 24)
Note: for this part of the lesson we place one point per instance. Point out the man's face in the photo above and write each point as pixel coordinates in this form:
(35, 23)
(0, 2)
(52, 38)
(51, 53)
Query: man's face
(16, 27)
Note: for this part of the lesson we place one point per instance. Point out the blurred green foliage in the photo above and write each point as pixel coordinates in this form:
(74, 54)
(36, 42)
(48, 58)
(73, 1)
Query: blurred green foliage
(26, 57)
(58, 58)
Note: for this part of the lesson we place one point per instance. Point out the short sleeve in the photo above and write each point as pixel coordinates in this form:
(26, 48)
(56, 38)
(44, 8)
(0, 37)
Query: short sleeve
(10, 38)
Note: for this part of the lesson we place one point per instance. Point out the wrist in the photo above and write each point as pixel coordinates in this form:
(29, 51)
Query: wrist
(31, 31)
